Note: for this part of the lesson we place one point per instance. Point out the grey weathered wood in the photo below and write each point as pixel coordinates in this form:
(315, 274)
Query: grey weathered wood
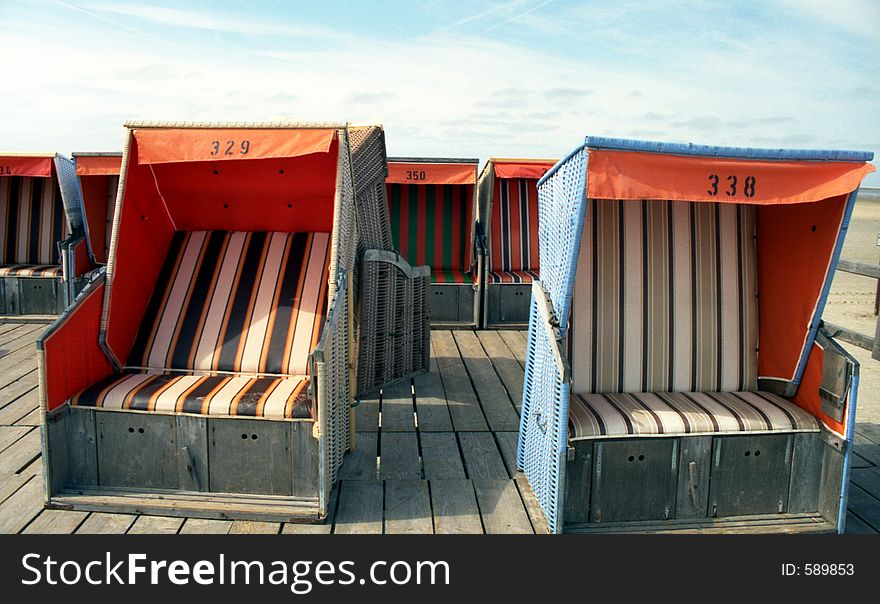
(192, 453)
(101, 523)
(398, 410)
(21, 507)
(10, 434)
(20, 386)
(202, 526)
(806, 473)
(857, 526)
(21, 453)
(501, 507)
(399, 456)
(441, 457)
(122, 440)
(18, 338)
(496, 402)
(10, 483)
(431, 407)
(361, 463)
(868, 479)
(864, 506)
(58, 522)
(578, 483)
(460, 397)
(253, 527)
(859, 268)
(533, 508)
(407, 507)
(516, 341)
(316, 528)
(867, 432)
(149, 525)
(481, 457)
(869, 451)
(621, 471)
(366, 414)
(750, 474)
(32, 419)
(82, 447)
(241, 463)
(360, 507)
(505, 363)
(507, 444)
(755, 525)
(304, 454)
(455, 507)
(692, 499)
(850, 336)
(19, 408)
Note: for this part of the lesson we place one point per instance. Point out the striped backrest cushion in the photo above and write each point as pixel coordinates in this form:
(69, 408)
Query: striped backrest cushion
(513, 235)
(665, 298)
(431, 224)
(32, 220)
(238, 302)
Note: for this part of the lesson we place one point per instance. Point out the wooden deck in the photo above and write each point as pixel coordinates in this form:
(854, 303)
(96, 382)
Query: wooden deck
(433, 457)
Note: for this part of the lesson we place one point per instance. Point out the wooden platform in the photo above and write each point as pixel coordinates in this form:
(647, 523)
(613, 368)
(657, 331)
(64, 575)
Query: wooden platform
(436, 456)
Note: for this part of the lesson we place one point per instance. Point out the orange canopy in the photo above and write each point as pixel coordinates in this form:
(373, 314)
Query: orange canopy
(98, 165)
(522, 168)
(615, 174)
(429, 173)
(26, 165)
(172, 145)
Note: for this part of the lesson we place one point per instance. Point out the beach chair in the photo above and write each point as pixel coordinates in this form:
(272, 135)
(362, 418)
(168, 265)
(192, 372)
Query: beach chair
(211, 372)
(432, 209)
(508, 230)
(678, 376)
(41, 244)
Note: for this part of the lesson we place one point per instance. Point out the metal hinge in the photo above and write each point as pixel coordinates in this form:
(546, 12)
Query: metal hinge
(570, 454)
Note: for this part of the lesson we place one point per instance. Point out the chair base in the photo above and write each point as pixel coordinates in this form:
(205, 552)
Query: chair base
(32, 296)
(507, 305)
(454, 306)
(768, 524)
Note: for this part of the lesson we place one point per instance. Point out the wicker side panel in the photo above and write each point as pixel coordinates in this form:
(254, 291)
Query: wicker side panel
(543, 433)
(395, 320)
(70, 193)
(562, 203)
(331, 359)
(344, 241)
(369, 168)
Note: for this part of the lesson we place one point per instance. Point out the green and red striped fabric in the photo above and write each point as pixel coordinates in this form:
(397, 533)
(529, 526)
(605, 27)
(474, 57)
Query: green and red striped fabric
(432, 224)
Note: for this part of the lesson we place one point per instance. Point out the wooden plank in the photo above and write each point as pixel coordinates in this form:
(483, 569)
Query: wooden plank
(366, 414)
(865, 506)
(859, 268)
(692, 497)
(505, 363)
(56, 522)
(22, 385)
(155, 525)
(398, 411)
(407, 507)
(431, 407)
(233, 445)
(481, 457)
(253, 527)
(31, 420)
(441, 457)
(399, 456)
(517, 343)
(317, 528)
(533, 508)
(868, 432)
(360, 508)
(455, 508)
(22, 506)
(464, 407)
(203, 526)
(19, 408)
(102, 523)
(10, 483)
(10, 434)
(578, 483)
(21, 453)
(360, 464)
(868, 451)
(494, 398)
(857, 526)
(501, 507)
(868, 479)
(12, 340)
(7, 327)
(806, 473)
(507, 445)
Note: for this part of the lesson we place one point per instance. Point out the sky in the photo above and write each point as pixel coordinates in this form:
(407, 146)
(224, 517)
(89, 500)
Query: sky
(449, 78)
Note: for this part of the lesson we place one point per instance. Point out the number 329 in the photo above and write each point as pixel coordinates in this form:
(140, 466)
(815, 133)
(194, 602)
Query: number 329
(230, 147)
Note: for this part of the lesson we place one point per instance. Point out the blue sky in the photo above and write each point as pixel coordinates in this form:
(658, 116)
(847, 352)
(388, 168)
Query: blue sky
(461, 78)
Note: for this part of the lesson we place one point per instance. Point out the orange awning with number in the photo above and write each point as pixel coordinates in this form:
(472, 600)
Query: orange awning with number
(172, 145)
(634, 175)
(522, 168)
(26, 165)
(428, 173)
(98, 165)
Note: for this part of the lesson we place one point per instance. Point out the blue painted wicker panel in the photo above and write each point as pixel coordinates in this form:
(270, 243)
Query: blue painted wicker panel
(543, 433)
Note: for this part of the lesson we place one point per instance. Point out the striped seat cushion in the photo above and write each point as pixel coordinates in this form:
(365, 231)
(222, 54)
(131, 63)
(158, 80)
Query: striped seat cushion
(30, 270)
(432, 224)
(594, 416)
(236, 302)
(32, 221)
(444, 276)
(248, 396)
(513, 276)
(665, 298)
(513, 230)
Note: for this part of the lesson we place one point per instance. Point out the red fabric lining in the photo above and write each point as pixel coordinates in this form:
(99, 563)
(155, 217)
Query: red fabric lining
(27, 166)
(96, 195)
(807, 396)
(522, 168)
(170, 145)
(73, 358)
(98, 165)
